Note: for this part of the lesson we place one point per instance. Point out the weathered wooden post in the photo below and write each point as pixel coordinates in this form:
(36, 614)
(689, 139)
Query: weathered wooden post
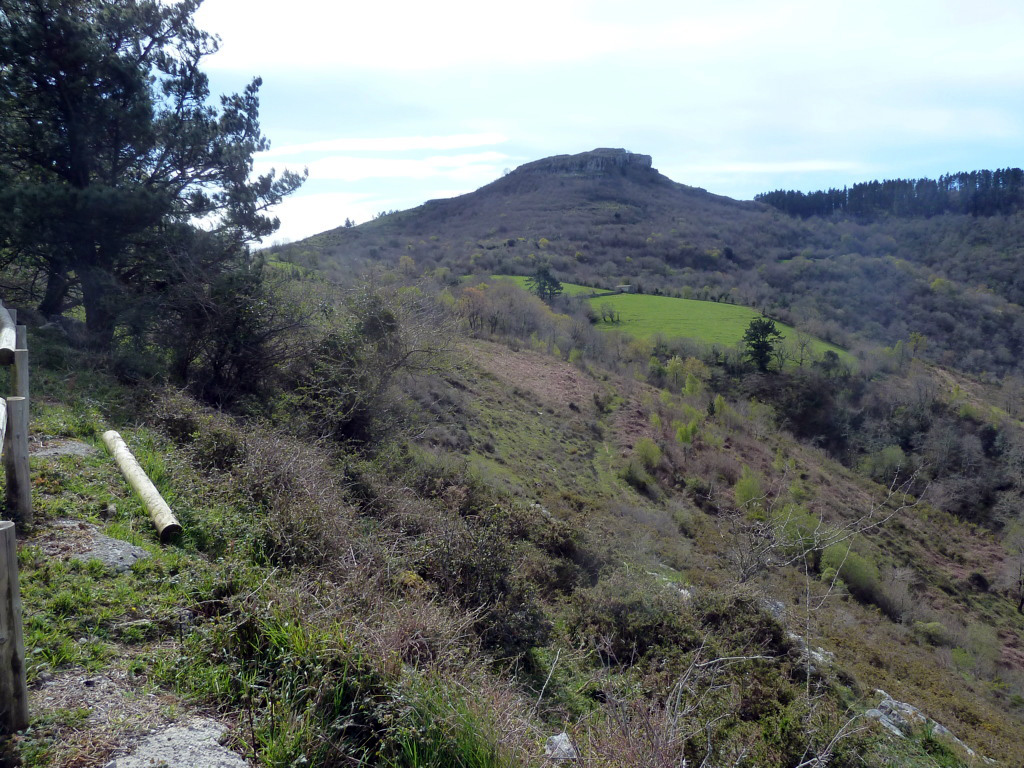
(8, 337)
(13, 687)
(19, 487)
(21, 364)
(166, 523)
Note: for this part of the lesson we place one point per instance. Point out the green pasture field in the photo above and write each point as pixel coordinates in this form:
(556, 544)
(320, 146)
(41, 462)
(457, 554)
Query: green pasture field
(644, 316)
(711, 322)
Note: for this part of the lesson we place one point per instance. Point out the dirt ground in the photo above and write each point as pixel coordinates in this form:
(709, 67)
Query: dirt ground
(553, 382)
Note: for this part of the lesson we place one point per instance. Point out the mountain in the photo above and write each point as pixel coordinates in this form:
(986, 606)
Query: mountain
(607, 217)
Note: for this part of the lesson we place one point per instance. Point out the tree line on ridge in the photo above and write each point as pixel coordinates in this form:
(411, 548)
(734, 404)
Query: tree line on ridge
(976, 193)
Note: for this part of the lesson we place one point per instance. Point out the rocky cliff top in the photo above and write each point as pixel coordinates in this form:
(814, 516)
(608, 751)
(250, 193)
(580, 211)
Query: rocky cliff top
(597, 161)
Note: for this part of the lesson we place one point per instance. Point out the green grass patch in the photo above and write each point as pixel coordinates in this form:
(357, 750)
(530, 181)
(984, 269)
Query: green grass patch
(711, 322)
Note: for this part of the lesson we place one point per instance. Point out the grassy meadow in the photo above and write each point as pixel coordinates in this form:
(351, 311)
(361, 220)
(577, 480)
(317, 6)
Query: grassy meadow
(644, 316)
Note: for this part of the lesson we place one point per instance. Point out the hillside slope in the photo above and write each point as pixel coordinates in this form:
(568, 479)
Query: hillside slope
(606, 217)
(531, 548)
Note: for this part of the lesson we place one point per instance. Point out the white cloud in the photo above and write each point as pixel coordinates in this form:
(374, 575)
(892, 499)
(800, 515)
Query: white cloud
(923, 37)
(403, 35)
(481, 165)
(389, 144)
(305, 215)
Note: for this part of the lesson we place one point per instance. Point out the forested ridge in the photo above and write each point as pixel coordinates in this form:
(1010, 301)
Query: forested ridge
(975, 193)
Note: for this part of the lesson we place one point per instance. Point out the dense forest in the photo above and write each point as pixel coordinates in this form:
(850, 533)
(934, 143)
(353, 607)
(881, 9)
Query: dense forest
(974, 193)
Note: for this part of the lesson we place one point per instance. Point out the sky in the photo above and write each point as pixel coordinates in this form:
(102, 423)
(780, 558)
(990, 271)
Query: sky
(389, 105)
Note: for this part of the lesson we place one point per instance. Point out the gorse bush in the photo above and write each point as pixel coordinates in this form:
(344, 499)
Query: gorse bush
(858, 573)
(647, 452)
(342, 388)
(629, 616)
(749, 493)
(476, 567)
(636, 475)
(931, 633)
(800, 534)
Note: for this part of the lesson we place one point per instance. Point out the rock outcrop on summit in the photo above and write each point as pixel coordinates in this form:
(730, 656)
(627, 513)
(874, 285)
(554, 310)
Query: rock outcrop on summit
(596, 161)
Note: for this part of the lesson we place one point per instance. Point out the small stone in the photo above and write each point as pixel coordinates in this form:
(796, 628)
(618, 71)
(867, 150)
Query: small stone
(559, 747)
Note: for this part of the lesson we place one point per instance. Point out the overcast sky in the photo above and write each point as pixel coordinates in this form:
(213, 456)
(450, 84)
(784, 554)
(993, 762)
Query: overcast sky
(394, 103)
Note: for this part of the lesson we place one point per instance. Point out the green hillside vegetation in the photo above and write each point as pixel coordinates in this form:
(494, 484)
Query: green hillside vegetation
(449, 520)
(432, 522)
(539, 546)
(850, 280)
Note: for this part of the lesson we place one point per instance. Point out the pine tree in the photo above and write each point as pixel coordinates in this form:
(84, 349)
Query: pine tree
(107, 140)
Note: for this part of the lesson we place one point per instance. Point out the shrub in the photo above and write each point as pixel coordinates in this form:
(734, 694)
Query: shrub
(213, 439)
(305, 515)
(477, 568)
(647, 452)
(686, 433)
(742, 623)
(637, 476)
(931, 633)
(858, 573)
(626, 616)
(883, 465)
(799, 532)
(748, 492)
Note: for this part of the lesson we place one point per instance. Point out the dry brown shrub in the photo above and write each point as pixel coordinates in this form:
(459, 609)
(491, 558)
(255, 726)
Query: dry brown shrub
(635, 733)
(717, 468)
(307, 519)
(422, 633)
(212, 440)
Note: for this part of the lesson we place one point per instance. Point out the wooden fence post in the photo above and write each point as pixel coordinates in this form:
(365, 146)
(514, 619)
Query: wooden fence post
(19, 488)
(13, 687)
(21, 373)
(8, 337)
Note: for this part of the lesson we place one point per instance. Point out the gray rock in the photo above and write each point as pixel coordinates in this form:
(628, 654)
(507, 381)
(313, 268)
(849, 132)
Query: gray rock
(901, 719)
(196, 744)
(113, 553)
(817, 658)
(776, 608)
(560, 747)
(85, 542)
(62, 447)
(883, 719)
(597, 161)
